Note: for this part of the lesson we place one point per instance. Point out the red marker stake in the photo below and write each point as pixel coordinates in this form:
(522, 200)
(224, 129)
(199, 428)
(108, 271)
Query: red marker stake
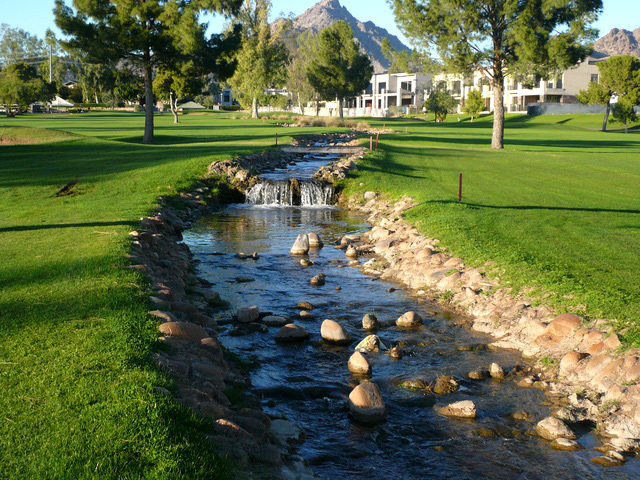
(377, 138)
(371, 143)
(460, 189)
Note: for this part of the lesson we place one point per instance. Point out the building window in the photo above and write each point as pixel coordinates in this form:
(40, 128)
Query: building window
(382, 86)
(457, 87)
(405, 86)
(559, 82)
(594, 78)
(369, 89)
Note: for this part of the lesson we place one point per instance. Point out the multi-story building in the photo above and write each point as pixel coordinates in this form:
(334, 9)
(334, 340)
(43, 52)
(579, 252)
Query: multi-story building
(393, 90)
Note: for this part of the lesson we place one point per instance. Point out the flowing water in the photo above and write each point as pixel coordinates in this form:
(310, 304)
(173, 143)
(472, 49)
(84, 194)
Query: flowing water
(309, 383)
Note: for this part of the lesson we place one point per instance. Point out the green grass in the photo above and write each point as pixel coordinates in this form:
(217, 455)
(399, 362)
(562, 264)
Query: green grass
(77, 395)
(557, 212)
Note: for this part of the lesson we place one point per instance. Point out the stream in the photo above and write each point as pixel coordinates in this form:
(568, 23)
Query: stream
(309, 383)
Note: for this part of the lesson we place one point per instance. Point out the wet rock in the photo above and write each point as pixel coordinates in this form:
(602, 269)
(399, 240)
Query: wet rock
(233, 431)
(305, 262)
(566, 444)
(358, 364)
(248, 314)
(370, 343)
(164, 316)
(305, 315)
(287, 432)
(266, 453)
(370, 195)
(366, 404)
(570, 360)
(609, 460)
(252, 425)
(315, 241)
(338, 288)
(370, 322)
(318, 280)
(391, 289)
(413, 385)
(462, 409)
(292, 333)
(480, 373)
(332, 332)
(496, 371)
(305, 306)
(409, 319)
(445, 384)
(483, 432)
(275, 321)
(396, 353)
(301, 245)
(521, 416)
(351, 252)
(244, 279)
(551, 428)
(184, 331)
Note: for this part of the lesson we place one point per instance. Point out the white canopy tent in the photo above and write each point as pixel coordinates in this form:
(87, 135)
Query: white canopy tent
(60, 102)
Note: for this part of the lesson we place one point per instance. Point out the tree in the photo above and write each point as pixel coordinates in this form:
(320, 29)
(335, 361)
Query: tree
(339, 70)
(405, 61)
(619, 76)
(473, 104)
(440, 102)
(172, 84)
(20, 85)
(624, 113)
(297, 81)
(17, 45)
(147, 34)
(262, 59)
(500, 37)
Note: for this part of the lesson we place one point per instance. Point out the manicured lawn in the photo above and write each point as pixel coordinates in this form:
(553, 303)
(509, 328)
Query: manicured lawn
(558, 210)
(77, 398)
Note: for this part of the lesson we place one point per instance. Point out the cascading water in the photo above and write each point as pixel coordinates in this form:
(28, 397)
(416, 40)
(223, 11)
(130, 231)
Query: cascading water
(291, 192)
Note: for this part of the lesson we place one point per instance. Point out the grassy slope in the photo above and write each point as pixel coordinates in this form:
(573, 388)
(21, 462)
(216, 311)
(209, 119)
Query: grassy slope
(77, 389)
(557, 210)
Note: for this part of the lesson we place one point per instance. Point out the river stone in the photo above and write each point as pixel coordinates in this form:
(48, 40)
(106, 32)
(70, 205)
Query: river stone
(351, 252)
(318, 280)
(248, 314)
(445, 384)
(305, 262)
(370, 322)
(292, 333)
(608, 461)
(332, 332)
(395, 353)
(244, 279)
(315, 241)
(480, 373)
(275, 321)
(359, 364)
(366, 404)
(184, 330)
(370, 195)
(305, 306)
(370, 343)
(565, 444)
(551, 428)
(286, 432)
(409, 319)
(305, 315)
(266, 453)
(413, 385)
(496, 371)
(462, 409)
(301, 245)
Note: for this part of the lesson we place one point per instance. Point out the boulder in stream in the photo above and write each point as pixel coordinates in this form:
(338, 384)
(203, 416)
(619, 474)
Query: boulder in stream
(462, 409)
(292, 333)
(551, 428)
(318, 280)
(358, 364)
(409, 319)
(370, 322)
(301, 245)
(370, 343)
(332, 332)
(366, 404)
(445, 384)
(315, 241)
(248, 314)
(351, 252)
(275, 321)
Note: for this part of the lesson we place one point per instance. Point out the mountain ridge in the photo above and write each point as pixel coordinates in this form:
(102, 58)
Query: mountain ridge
(619, 42)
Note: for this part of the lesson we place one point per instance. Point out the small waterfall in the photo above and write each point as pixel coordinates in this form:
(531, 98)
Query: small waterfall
(305, 193)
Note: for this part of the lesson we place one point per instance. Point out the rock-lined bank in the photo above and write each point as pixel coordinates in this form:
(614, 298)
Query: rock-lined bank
(599, 384)
(207, 379)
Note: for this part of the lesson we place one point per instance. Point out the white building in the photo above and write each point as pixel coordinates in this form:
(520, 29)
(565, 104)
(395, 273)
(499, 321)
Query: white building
(393, 90)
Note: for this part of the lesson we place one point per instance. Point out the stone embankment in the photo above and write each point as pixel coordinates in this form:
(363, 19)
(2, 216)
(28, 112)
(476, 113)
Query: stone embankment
(584, 365)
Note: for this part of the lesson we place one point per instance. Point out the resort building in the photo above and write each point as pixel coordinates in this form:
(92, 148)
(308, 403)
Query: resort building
(393, 90)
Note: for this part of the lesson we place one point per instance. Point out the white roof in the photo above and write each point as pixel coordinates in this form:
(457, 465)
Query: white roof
(191, 106)
(60, 102)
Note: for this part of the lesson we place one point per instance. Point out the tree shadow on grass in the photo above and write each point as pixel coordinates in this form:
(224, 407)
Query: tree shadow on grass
(536, 207)
(26, 228)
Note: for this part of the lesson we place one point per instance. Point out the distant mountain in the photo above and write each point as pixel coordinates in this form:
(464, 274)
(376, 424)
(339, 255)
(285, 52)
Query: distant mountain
(619, 42)
(370, 36)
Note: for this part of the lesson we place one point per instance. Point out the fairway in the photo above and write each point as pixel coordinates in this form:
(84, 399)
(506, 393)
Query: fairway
(557, 213)
(78, 398)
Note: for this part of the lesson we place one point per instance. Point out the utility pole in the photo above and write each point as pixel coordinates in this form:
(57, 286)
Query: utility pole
(50, 65)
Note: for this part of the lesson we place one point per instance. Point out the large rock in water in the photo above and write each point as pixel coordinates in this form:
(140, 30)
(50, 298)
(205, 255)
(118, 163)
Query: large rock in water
(315, 241)
(366, 404)
(248, 314)
(331, 331)
(359, 364)
(370, 322)
(370, 343)
(184, 330)
(292, 333)
(409, 319)
(301, 245)
(551, 428)
(463, 409)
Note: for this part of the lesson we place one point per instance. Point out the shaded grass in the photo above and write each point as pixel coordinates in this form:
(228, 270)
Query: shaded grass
(78, 398)
(557, 212)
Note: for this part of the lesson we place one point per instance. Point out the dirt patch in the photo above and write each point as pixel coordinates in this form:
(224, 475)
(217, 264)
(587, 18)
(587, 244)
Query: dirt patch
(16, 140)
(68, 189)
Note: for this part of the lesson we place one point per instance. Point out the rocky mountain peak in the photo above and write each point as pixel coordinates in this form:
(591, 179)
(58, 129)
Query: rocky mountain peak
(619, 42)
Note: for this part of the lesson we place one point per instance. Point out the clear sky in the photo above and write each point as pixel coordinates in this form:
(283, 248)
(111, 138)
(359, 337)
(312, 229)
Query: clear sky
(36, 16)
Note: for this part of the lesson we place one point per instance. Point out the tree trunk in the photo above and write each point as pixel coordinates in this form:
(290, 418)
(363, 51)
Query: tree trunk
(317, 107)
(148, 98)
(340, 102)
(173, 105)
(254, 109)
(497, 138)
(606, 116)
(300, 106)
